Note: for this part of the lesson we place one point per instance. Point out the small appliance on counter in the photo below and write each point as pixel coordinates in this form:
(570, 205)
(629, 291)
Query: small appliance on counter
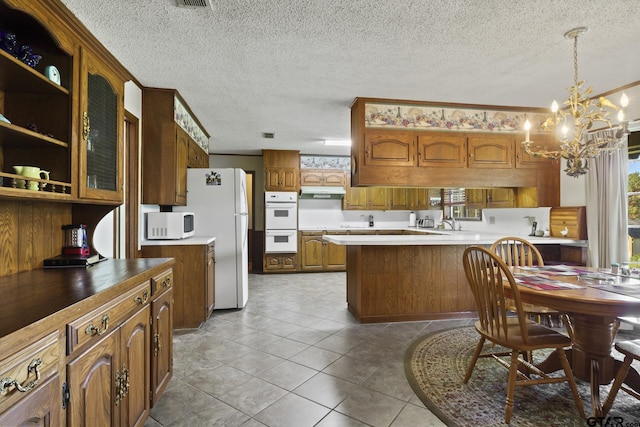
(170, 225)
(426, 223)
(75, 240)
(76, 251)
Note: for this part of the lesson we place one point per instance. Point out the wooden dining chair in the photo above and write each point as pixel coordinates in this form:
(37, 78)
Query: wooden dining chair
(488, 275)
(519, 252)
(631, 351)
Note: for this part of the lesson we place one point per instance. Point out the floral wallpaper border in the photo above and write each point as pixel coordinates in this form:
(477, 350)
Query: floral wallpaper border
(183, 118)
(325, 162)
(427, 117)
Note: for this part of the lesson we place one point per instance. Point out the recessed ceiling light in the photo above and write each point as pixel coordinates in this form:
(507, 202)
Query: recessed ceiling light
(340, 142)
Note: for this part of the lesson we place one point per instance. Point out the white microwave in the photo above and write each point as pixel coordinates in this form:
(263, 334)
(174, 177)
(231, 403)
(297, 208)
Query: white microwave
(170, 225)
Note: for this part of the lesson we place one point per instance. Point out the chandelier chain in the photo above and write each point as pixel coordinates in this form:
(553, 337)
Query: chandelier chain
(575, 125)
(575, 60)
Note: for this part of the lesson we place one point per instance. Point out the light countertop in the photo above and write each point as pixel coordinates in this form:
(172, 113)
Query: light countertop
(439, 237)
(193, 240)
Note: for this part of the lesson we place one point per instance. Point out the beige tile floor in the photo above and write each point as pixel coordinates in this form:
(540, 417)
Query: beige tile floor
(294, 357)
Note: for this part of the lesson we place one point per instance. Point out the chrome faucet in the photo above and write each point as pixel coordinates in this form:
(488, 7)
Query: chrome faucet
(451, 222)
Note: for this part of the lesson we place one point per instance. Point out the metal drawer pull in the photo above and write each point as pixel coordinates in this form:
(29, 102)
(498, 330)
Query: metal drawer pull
(122, 384)
(7, 383)
(158, 344)
(143, 299)
(93, 330)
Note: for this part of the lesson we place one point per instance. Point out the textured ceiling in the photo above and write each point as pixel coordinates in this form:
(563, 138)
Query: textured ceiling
(293, 67)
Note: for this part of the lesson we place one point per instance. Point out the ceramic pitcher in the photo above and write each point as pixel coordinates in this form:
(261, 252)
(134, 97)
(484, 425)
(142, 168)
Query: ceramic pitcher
(30, 172)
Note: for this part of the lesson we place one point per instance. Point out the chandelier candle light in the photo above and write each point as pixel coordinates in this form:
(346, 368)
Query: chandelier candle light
(574, 123)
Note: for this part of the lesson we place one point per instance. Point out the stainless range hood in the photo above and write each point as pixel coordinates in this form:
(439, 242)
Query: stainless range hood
(321, 193)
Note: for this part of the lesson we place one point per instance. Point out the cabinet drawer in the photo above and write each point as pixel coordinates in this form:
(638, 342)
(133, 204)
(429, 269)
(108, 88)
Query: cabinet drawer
(101, 321)
(162, 282)
(28, 368)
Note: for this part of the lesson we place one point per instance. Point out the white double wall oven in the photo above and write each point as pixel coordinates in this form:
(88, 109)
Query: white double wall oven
(281, 222)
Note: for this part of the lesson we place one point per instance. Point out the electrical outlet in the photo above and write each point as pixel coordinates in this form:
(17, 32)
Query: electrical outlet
(492, 220)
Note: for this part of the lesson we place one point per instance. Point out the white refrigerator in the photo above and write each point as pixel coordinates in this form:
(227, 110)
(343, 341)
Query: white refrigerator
(218, 198)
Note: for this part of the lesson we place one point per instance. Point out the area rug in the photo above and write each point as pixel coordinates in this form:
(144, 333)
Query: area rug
(435, 366)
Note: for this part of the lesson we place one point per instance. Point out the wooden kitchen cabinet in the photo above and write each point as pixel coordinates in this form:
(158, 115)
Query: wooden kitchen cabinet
(408, 198)
(366, 198)
(477, 198)
(490, 151)
(167, 148)
(322, 177)
(281, 169)
(109, 381)
(43, 358)
(87, 339)
(280, 263)
(355, 198)
(442, 150)
(389, 148)
(161, 334)
(198, 158)
(41, 408)
(526, 160)
(193, 281)
(28, 98)
(101, 143)
(316, 254)
(462, 157)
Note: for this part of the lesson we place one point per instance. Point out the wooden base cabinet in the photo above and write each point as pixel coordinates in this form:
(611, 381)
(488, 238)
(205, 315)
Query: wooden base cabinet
(109, 382)
(193, 281)
(161, 334)
(280, 263)
(87, 360)
(42, 408)
(317, 254)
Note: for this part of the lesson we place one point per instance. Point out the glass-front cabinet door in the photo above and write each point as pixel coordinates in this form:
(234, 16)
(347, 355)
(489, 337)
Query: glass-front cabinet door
(101, 140)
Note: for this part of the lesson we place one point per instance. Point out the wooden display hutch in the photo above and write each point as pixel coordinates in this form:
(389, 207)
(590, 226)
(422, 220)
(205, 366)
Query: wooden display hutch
(100, 344)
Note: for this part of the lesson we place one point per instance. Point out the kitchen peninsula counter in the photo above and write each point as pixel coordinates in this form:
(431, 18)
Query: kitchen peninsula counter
(394, 277)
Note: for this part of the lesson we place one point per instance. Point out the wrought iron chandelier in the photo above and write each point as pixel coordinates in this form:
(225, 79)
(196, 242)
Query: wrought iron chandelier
(574, 123)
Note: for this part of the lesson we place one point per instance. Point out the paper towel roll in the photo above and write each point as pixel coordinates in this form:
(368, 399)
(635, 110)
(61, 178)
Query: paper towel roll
(412, 219)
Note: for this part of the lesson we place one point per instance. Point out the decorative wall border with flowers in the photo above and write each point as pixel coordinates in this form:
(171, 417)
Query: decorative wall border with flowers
(183, 118)
(426, 117)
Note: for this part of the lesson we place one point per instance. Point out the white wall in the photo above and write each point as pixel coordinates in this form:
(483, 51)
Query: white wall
(328, 213)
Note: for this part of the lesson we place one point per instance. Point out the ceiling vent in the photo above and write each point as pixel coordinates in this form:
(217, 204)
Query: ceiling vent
(268, 135)
(194, 4)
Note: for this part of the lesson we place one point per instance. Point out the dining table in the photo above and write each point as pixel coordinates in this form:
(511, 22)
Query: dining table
(594, 300)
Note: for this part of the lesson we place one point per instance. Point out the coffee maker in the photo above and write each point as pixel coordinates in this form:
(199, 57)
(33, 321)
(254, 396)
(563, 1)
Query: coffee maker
(75, 240)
